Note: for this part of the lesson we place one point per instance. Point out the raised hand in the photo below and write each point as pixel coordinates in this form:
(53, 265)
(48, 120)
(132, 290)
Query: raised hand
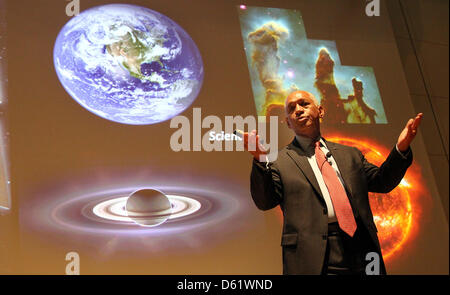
(408, 134)
(252, 144)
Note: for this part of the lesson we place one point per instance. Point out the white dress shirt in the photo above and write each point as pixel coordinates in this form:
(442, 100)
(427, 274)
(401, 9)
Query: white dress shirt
(307, 145)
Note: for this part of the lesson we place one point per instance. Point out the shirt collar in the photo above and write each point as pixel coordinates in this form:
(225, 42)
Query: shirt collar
(307, 143)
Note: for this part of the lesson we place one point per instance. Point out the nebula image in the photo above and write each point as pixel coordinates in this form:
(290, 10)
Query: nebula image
(281, 59)
(351, 110)
(265, 58)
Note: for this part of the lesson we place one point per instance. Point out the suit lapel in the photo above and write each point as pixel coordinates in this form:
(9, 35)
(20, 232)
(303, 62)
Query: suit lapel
(300, 159)
(342, 161)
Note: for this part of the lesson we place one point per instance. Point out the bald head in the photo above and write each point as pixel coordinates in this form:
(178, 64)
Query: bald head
(298, 95)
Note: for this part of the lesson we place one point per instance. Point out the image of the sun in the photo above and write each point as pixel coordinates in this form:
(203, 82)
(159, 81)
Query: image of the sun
(394, 212)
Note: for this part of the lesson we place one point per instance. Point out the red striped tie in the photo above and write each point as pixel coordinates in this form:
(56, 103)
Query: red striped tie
(341, 204)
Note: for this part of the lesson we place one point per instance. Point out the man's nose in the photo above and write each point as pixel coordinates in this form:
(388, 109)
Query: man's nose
(299, 109)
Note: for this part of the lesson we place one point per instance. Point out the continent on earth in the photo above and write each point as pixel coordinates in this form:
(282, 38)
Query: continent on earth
(128, 64)
(131, 52)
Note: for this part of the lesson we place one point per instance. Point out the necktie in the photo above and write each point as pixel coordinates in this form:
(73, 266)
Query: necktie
(341, 204)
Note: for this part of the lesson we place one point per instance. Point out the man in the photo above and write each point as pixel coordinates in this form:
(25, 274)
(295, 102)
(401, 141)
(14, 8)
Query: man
(322, 188)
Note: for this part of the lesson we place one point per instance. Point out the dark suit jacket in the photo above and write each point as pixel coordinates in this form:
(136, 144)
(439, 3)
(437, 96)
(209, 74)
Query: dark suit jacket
(290, 182)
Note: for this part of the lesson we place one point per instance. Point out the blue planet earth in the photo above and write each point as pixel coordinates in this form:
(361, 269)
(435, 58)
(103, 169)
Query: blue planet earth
(128, 64)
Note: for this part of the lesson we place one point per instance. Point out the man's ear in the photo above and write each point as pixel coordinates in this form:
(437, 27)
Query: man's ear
(321, 112)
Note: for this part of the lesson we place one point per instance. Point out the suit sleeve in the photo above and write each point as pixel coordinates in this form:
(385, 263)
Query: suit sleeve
(265, 185)
(385, 178)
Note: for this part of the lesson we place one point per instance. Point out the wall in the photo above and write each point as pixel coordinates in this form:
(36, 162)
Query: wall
(421, 32)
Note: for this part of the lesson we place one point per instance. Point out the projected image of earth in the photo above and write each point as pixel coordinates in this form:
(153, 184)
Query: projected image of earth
(128, 64)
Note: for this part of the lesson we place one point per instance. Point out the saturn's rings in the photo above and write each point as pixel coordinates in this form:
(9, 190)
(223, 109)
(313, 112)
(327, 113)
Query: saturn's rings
(115, 209)
(102, 212)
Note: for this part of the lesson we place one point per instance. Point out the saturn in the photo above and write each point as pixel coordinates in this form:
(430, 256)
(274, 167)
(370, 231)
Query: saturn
(148, 207)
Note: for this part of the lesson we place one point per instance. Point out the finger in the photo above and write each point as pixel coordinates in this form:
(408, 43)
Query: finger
(409, 124)
(417, 121)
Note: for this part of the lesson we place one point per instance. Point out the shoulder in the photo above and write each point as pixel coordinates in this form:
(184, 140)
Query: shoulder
(342, 147)
(333, 144)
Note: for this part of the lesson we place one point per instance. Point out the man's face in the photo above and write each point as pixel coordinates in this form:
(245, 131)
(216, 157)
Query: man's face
(303, 114)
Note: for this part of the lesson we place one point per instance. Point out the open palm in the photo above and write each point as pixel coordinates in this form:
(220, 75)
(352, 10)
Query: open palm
(408, 133)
